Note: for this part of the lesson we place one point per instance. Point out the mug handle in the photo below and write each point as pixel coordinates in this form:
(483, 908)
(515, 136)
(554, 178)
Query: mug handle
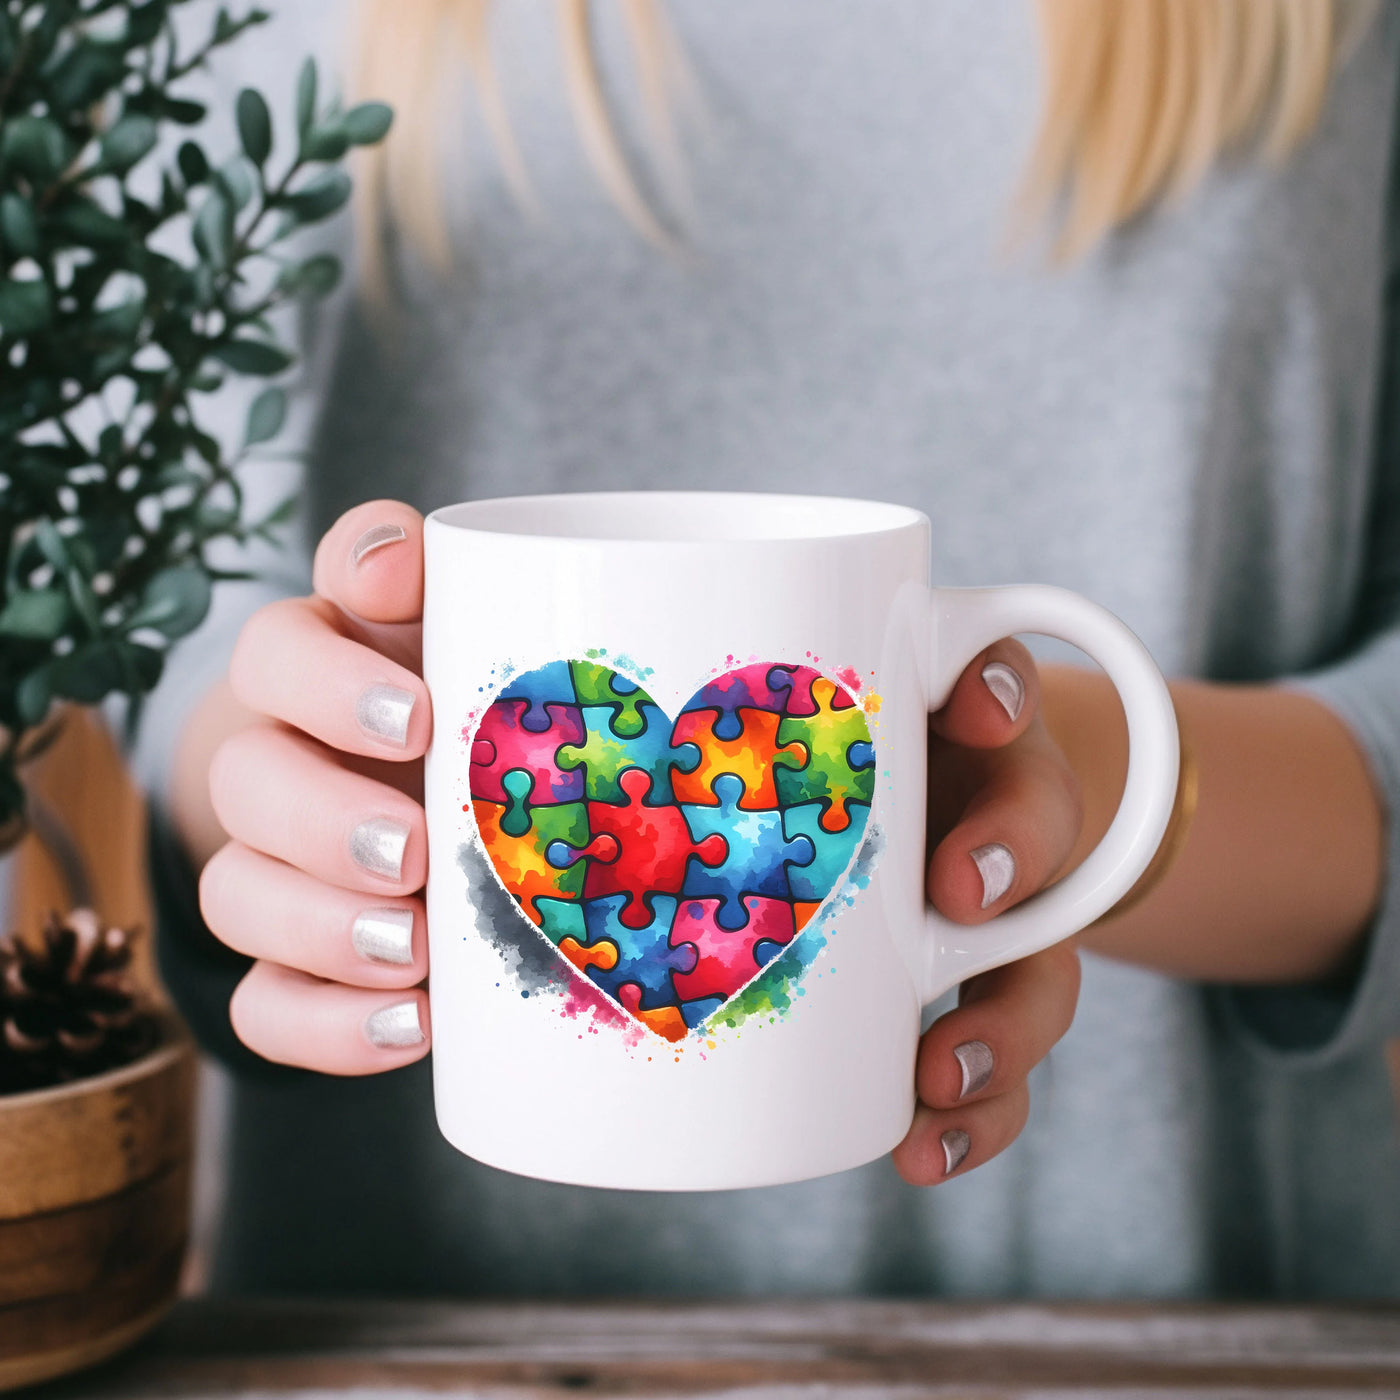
(963, 621)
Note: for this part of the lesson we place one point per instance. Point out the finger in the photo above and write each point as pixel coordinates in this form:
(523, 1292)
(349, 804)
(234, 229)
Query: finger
(265, 909)
(948, 1142)
(285, 796)
(293, 1019)
(1005, 1023)
(1015, 834)
(994, 700)
(292, 662)
(370, 562)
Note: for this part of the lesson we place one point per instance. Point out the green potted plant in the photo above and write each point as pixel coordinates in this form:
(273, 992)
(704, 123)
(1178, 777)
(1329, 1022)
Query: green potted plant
(138, 272)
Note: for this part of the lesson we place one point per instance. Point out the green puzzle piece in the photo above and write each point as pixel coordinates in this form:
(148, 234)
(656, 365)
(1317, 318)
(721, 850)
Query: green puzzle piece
(829, 735)
(561, 919)
(593, 684)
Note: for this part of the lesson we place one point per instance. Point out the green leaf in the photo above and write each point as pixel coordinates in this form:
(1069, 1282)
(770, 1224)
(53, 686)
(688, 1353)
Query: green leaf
(328, 141)
(306, 98)
(252, 356)
(85, 72)
(213, 229)
(174, 602)
(193, 163)
(119, 322)
(266, 415)
(320, 197)
(183, 111)
(89, 226)
(143, 22)
(237, 182)
(25, 307)
(35, 145)
(367, 122)
(254, 126)
(127, 142)
(315, 277)
(18, 225)
(32, 696)
(37, 615)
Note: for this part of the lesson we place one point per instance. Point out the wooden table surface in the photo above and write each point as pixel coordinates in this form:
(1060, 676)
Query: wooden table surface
(792, 1350)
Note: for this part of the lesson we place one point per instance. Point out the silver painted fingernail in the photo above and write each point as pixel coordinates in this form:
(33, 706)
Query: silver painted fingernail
(376, 537)
(383, 711)
(392, 1027)
(378, 846)
(997, 867)
(975, 1057)
(385, 936)
(956, 1144)
(1006, 685)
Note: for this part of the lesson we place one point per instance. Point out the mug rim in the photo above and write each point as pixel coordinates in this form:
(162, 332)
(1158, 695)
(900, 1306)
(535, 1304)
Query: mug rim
(797, 519)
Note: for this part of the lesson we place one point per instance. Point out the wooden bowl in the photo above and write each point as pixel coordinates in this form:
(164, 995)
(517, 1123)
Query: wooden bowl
(94, 1211)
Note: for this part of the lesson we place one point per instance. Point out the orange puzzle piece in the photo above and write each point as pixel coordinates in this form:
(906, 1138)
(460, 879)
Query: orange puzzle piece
(750, 758)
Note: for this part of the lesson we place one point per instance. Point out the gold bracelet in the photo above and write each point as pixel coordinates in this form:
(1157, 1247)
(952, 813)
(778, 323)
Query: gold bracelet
(1173, 838)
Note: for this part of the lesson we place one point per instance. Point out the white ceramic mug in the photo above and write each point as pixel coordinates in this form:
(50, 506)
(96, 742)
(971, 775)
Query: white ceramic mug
(676, 812)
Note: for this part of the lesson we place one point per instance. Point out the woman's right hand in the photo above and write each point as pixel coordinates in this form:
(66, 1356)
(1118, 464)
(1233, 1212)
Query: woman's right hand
(321, 880)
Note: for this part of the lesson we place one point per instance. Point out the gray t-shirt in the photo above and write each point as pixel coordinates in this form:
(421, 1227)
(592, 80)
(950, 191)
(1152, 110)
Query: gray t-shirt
(1181, 427)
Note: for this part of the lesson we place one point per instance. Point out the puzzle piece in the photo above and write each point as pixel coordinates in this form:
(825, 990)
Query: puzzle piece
(758, 853)
(696, 1013)
(603, 956)
(802, 910)
(550, 684)
(641, 954)
(752, 757)
(835, 737)
(503, 744)
(561, 919)
(604, 754)
(650, 849)
(517, 785)
(725, 956)
(666, 1021)
(521, 861)
(832, 849)
(597, 685)
(756, 687)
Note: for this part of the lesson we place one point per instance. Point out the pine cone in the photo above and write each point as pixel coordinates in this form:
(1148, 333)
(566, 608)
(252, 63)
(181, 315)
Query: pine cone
(68, 1009)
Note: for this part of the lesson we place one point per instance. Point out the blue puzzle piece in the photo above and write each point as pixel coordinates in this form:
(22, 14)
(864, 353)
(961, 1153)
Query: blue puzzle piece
(759, 858)
(550, 684)
(764, 951)
(832, 849)
(604, 754)
(693, 1013)
(644, 955)
(861, 754)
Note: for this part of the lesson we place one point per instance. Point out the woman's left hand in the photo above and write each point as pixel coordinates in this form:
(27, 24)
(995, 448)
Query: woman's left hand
(1005, 813)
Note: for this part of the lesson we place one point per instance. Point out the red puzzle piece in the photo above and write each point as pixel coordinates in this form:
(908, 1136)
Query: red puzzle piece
(725, 958)
(653, 845)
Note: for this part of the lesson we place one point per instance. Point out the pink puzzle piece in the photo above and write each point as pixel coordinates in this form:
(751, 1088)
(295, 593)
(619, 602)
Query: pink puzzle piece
(502, 743)
(726, 958)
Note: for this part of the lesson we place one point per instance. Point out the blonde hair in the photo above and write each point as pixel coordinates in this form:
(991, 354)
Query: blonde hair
(1141, 98)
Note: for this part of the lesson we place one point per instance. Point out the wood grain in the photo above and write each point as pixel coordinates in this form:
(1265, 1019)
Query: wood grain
(82, 1141)
(96, 1244)
(866, 1349)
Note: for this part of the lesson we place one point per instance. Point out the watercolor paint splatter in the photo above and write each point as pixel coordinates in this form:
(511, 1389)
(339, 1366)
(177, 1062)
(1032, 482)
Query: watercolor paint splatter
(670, 862)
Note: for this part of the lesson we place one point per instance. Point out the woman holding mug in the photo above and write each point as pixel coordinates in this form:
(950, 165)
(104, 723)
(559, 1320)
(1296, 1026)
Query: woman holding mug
(1173, 399)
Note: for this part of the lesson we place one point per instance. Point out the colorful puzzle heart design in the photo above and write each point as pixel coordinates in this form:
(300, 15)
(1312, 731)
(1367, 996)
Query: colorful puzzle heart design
(669, 862)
